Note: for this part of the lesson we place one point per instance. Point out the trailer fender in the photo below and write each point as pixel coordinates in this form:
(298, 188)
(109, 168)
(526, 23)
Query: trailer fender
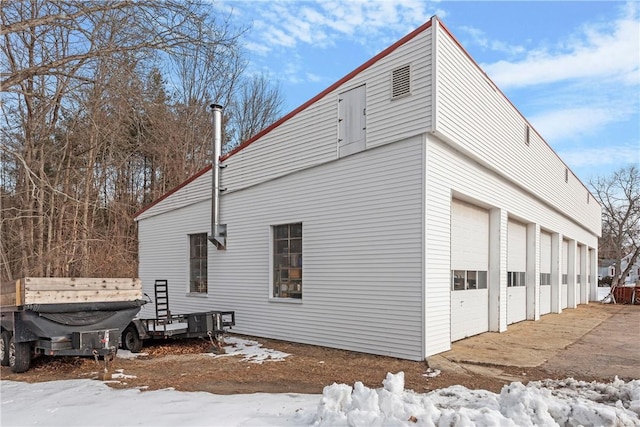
(22, 332)
(141, 328)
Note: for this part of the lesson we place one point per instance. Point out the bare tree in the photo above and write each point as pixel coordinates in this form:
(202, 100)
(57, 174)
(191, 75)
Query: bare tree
(69, 71)
(257, 104)
(619, 195)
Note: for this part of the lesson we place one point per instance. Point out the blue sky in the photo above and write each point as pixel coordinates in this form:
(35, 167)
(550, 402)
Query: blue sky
(571, 68)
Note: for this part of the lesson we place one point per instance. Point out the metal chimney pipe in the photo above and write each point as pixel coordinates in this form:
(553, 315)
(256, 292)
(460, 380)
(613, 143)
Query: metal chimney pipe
(218, 231)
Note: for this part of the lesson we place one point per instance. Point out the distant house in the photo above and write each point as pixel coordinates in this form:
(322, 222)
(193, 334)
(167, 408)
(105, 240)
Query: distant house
(606, 268)
(407, 206)
(634, 274)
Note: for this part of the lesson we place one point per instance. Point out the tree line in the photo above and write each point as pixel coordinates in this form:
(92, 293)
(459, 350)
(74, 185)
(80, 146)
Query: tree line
(104, 109)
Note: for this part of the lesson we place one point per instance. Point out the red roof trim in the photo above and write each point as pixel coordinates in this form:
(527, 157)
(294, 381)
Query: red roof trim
(173, 190)
(455, 40)
(331, 88)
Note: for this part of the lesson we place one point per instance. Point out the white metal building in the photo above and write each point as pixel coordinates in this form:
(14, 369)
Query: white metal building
(407, 206)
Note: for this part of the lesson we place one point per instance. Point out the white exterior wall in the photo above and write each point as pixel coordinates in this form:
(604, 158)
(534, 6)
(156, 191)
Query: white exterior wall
(481, 123)
(362, 254)
(311, 137)
(376, 224)
(482, 187)
(197, 190)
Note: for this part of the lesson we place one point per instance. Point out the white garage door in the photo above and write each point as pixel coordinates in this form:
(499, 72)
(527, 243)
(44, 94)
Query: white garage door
(545, 273)
(564, 295)
(516, 272)
(469, 265)
(580, 280)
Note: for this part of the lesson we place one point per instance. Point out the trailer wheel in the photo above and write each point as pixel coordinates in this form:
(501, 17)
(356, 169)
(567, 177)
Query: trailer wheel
(19, 356)
(5, 337)
(130, 339)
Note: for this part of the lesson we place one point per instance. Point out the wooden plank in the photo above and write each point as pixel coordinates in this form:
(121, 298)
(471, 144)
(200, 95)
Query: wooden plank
(72, 296)
(10, 293)
(53, 290)
(70, 283)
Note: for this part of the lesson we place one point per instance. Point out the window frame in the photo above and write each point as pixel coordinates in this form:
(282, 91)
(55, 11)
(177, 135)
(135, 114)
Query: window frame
(202, 260)
(462, 280)
(293, 285)
(516, 279)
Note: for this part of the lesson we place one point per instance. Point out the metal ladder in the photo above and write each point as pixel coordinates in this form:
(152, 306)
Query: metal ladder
(162, 301)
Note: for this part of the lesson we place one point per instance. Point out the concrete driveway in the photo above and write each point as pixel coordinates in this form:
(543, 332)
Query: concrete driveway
(592, 341)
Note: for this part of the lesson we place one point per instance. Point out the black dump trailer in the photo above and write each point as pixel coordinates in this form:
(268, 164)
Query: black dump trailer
(65, 317)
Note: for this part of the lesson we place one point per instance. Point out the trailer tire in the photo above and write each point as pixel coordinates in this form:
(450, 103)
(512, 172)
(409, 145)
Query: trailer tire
(19, 356)
(5, 337)
(131, 340)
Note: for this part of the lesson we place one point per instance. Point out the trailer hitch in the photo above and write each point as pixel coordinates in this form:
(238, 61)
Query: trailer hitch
(216, 346)
(105, 375)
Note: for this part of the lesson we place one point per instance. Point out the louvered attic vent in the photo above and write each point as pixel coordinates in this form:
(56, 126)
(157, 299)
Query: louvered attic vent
(401, 81)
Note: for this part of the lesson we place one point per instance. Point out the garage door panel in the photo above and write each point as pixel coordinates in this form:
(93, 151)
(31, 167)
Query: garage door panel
(469, 313)
(516, 304)
(545, 273)
(545, 300)
(469, 237)
(516, 267)
(516, 246)
(469, 263)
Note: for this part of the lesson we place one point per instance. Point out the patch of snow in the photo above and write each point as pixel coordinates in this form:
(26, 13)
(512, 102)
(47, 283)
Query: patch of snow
(126, 354)
(119, 374)
(539, 403)
(251, 350)
(431, 373)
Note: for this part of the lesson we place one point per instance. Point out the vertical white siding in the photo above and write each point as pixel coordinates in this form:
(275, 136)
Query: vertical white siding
(437, 264)
(533, 271)
(362, 254)
(479, 121)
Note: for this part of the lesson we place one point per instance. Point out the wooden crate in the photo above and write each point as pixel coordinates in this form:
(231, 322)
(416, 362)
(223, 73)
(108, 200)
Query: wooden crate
(56, 290)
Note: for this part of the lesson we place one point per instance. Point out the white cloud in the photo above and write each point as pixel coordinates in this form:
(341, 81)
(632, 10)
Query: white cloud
(286, 24)
(480, 38)
(572, 123)
(607, 155)
(605, 51)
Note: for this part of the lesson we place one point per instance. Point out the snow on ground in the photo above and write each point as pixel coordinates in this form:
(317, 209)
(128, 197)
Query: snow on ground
(251, 350)
(94, 403)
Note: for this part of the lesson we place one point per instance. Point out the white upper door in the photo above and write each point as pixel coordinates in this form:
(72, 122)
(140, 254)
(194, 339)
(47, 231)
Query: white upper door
(564, 295)
(469, 267)
(545, 272)
(352, 124)
(516, 272)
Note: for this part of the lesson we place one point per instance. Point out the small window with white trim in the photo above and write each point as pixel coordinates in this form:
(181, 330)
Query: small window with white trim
(287, 261)
(462, 280)
(545, 279)
(198, 263)
(515, 278)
